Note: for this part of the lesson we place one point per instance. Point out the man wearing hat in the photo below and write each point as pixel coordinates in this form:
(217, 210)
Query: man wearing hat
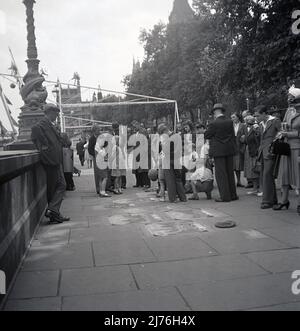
(270, 126)
(47, 139)
(223, 148)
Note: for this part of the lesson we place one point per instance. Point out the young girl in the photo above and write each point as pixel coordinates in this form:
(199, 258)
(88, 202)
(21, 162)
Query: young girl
(118, 165)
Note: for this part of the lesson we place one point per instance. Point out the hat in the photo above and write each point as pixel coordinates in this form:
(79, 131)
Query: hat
(153, 175)
(219, 106)
(250, 120)
(50, 107)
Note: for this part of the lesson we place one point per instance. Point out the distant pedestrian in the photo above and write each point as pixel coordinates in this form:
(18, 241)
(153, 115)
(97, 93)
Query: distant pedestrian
(251, 139)
(238, 164)
(68, 162)
(91, 150)
(80, 151)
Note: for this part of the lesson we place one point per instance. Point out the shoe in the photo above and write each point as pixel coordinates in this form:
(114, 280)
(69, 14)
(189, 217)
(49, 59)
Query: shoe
(55, 217)
(220, 201)
(208, 195)
(194, 198)
(51, 214)
(235, 199)
(249, 186)
(65, 219)
(104, 195)
(56, 220)
(260, 194)
(240, 185)
(266, 206)
(282, 206)
(252, 193)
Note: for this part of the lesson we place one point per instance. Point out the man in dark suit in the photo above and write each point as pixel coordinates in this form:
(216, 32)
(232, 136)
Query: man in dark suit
(223, 148)
(47, 139)
(270, 126)
(80, 151)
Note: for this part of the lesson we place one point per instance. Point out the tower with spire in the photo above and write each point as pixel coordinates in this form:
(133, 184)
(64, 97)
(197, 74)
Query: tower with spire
(181, 13)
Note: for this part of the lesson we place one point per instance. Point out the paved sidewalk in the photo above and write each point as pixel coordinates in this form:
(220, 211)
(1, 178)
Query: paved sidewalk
(133, 252)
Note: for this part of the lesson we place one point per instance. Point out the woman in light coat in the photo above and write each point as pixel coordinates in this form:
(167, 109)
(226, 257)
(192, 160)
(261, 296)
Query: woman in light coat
(290, 165)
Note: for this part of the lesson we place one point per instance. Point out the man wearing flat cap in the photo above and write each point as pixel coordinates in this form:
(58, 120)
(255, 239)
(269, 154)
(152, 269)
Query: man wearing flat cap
(47, 140)
(223, 148)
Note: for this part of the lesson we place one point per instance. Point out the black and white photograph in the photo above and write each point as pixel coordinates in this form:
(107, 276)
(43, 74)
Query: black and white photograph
(149, 158)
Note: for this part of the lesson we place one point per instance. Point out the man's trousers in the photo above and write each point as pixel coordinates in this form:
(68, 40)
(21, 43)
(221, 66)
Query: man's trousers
(56, 187)
(225, 178)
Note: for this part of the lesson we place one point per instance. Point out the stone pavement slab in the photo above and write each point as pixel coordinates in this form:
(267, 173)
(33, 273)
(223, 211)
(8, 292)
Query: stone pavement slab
(58, 257)
(283, 307)
(240, 294)
(236, 241)
(45, 304)
(258, 222)
(96, 281)
(167, 299)
(179, 248)
(51, 236)
(163, 274)
(277, 261)
(117, 252)
(105, 233)
(290, 234)
(100, 261)
(35, 285)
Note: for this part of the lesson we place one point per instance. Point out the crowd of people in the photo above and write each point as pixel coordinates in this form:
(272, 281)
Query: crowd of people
(261, 145)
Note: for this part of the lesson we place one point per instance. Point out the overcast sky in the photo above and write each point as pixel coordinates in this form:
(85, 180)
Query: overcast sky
(96, 38)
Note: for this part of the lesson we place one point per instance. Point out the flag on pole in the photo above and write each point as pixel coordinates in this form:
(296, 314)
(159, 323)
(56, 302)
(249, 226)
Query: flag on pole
(7, 100)
(3, 130)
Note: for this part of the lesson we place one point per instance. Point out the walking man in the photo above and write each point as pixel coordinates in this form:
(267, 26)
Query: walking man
(47, 140)
(80, 151)
(223, 148)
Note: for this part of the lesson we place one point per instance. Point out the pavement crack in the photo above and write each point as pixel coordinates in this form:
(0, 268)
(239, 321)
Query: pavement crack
(134, 278)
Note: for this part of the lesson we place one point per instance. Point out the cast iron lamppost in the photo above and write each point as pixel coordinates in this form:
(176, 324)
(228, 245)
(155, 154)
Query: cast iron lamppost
(33, 93)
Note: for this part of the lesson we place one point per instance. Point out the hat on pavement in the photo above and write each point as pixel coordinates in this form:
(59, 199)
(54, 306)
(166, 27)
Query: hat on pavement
(50, 107)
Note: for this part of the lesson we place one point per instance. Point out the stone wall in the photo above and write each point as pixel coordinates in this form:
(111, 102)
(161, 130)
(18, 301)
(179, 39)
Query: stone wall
(22, 206)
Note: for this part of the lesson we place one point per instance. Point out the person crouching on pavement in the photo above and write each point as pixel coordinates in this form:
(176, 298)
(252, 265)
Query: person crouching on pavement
(48, 141)
(200, 178)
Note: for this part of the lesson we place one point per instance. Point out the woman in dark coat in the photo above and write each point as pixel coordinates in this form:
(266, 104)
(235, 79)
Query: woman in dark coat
(251, 139)
(239, 128)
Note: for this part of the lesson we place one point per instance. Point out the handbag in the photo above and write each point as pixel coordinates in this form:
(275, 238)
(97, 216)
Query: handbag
(280, 147)
(257, 167)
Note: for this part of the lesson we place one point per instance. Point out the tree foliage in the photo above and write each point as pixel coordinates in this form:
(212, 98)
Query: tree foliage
(230, 51)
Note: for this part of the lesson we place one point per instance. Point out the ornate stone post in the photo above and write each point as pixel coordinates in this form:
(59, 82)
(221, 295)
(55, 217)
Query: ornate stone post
(33, 93)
